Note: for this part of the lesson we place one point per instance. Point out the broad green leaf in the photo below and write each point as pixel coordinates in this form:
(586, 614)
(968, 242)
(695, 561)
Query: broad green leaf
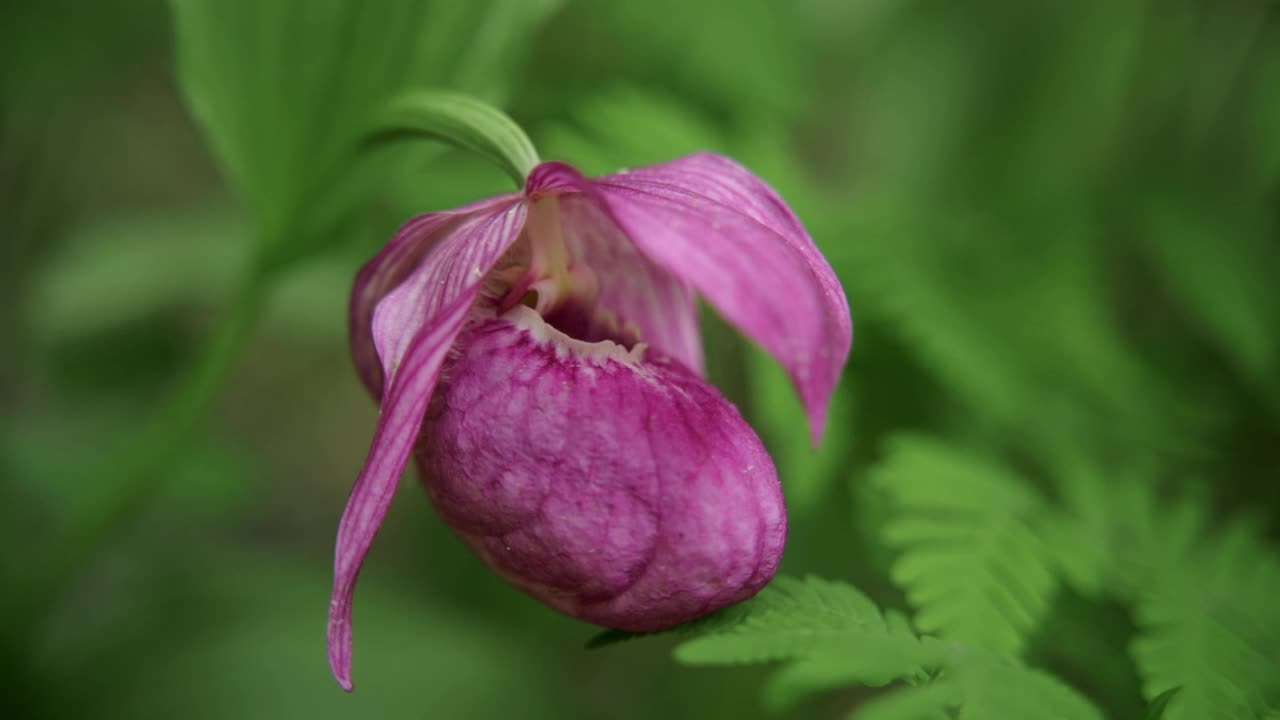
(970, 562)
(287, 89)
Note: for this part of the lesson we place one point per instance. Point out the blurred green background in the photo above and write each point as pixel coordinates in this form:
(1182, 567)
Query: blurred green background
(1056, 224)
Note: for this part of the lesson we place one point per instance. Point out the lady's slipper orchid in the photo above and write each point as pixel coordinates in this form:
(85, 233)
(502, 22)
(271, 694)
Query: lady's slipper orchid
(538, 354)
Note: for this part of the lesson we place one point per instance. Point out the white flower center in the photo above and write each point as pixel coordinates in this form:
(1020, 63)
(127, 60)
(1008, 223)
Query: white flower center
(601, 351)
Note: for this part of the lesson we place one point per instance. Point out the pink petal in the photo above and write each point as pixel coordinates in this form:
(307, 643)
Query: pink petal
(615, 486)
(413, 328)
(709, 222)
(661, 305)
(386, 270)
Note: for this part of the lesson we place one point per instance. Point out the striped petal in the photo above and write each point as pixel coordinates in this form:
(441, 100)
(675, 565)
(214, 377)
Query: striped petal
(712, 224)
(412, 329)
(386, 270)
(662, 306)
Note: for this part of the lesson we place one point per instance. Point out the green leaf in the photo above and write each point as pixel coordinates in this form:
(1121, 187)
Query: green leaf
(1210, 625)
(464, 122)
(923, 703)
(834, 634)
(993, 689)
(719, 620)
(970, 561)
(1158, 704)
(983, 687)
(789, 618)
(848, 659)
(286, 91)
(1216, 261)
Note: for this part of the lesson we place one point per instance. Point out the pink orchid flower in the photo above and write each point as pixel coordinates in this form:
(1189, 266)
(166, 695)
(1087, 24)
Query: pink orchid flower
(538, 355)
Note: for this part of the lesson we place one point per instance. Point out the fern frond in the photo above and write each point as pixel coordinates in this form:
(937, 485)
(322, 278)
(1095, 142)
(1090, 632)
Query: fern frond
(1210, 625)
(1157, 706)
(983, 687)
(790, 618)
(970, 563)
(992, 689)
(834, 636)
(1043, 345)
(870, 660)
(1219, 268)
(922, 703)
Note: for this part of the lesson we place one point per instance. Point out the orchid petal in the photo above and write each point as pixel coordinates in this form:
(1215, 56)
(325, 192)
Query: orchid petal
(386, 270)
(612, 484)
(413, 328)
(707, 221)
(662, 306)
(456, 265)
(813, 343)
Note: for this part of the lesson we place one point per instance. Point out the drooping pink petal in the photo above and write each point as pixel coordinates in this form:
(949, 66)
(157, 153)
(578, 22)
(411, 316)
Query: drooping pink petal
(413, 328)
(386, 270)
(709, 222)
(661, 305)
(376, 486)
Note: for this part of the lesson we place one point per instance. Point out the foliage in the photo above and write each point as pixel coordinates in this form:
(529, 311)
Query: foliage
(971, 561)
(287, 91)
(1059, 432)
(833, 635)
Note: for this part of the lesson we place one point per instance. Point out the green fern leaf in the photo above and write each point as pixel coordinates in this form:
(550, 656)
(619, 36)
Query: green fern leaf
(854, 659)
(992, 689)
(923, 703)
(1210, 625)
(1158, 704)
(790, 618)
(970, 562)
(983, 687)
(1223, 285)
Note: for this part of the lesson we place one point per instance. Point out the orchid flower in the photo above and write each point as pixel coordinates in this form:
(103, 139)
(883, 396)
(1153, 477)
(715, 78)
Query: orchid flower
(538, 355)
